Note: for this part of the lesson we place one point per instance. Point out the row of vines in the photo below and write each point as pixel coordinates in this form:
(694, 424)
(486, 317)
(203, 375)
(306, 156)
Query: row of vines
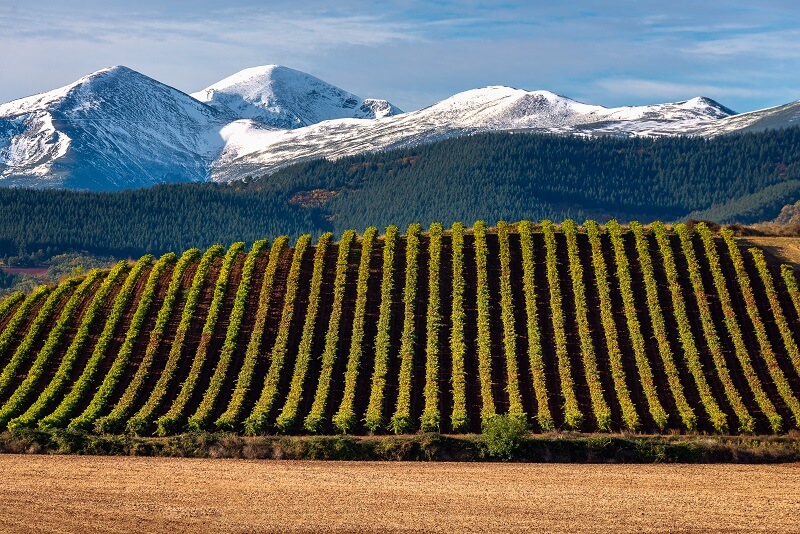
(611, 328)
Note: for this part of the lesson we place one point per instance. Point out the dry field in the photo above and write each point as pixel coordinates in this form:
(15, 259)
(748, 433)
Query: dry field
(786, 249)
(74, 493)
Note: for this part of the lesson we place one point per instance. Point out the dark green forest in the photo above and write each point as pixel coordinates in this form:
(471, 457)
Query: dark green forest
(735, 178)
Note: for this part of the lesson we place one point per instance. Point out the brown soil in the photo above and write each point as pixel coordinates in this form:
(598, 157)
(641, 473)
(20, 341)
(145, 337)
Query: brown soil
(596, 329)
(336, 389)
(748, 333)
(632, 377)
(784, 249)
(170, 330)
(112, 350)
(192, 339)
(20, 332)
(367, 364)
(321, 324)
(245, 330)
(58, 355)
(472, 386)
(119, 494)
(142, 340)
(31, 271)
(445, 331)
(270, 330)
(38, 344)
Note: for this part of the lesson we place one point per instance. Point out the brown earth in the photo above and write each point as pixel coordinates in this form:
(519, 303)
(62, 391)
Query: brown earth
(120, 494)
(786, 249)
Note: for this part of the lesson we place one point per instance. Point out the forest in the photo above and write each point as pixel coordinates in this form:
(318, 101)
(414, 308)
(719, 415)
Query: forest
(735, 178)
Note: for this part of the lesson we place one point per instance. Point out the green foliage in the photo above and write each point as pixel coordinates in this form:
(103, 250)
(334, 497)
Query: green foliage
(109, 384)
(288, 414)
(144, 417)
(507, 314)
(458, 417)
(8, 303)
(535, 358)
(373, 419)
(503, 435)
(63, 413)
(64, 372)
(429, 422)
(685, 412)
(229, 419)
(767, 352)
(31, 335)
(484, 337)
(690, 353)
(199, 421)
(83, 318)
(775, 305)
(732, 324)
(401, 420)
(573, 418)
(21, 315)
(629, 415)
(257, 420)
(634, 328)
(114, 420)
(170, 421)
(746, 421)
(17, 400)
(345, 417)
(602, 412)
(314, 420)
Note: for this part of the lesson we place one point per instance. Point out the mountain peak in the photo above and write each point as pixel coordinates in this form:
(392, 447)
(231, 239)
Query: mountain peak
(287, 98)
(708, 105)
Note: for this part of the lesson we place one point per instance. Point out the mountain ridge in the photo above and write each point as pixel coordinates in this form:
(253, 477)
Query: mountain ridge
(117, 128)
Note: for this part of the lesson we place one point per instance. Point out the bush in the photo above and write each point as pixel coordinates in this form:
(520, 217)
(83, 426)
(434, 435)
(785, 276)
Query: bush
(503, 434)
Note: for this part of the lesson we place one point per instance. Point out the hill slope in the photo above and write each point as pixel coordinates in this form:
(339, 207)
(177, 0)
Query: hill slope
(113, 129)
(285, 98)
(117, 129)
(252, 149)
(738, 178)
(579, 328)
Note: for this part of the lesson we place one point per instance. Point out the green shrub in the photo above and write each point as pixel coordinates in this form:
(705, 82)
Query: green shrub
(503, 434)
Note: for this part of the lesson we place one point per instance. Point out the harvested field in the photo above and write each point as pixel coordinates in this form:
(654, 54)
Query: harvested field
(77, 493)
(786, 249)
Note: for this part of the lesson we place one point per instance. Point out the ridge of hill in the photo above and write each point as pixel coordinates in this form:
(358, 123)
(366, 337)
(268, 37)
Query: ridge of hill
(742, 178)
(119, 129)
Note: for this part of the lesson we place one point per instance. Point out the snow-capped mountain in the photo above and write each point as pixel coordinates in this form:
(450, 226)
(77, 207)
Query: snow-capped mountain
(287, 98)
(117, 128)
(252, 149)
(112, 129)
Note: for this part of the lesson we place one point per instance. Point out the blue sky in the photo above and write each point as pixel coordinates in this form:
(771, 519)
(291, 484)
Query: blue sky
(744, 54)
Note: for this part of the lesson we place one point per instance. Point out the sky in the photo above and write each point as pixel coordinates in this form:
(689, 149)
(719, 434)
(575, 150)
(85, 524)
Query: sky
(744, 54)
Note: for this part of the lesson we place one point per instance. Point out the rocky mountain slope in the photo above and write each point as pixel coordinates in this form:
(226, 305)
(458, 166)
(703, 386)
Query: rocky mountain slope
(117, 128)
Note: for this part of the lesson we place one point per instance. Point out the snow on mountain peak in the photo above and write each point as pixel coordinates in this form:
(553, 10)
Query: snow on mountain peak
(117, 128)
(287, 98)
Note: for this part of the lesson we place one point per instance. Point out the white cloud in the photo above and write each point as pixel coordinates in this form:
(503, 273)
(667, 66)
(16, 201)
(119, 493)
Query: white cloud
(783, 44)
(657, 90)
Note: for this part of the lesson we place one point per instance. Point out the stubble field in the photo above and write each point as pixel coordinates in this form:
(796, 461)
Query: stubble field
(73, 493)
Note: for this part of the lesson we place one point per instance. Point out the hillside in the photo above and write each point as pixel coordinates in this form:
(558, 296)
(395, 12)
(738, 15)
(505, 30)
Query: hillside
(585, 328)
(119, 129)
(738, 178)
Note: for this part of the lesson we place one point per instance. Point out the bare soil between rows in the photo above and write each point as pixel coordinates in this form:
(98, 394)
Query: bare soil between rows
(113, 494)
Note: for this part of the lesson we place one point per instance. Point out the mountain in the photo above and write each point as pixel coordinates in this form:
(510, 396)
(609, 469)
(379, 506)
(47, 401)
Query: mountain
(117, 128)
(113, 129)
(286, 98)
(251, 149)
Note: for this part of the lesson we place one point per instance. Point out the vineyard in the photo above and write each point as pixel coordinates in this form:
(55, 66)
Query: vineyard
(651, 329)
